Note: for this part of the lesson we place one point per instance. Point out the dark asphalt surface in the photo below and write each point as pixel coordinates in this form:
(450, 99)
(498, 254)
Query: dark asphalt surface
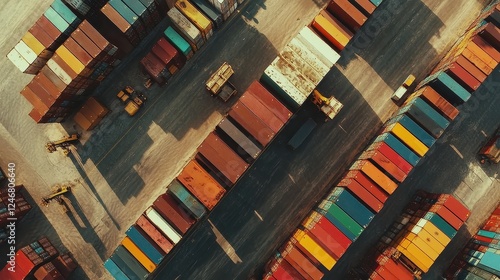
(283, 186)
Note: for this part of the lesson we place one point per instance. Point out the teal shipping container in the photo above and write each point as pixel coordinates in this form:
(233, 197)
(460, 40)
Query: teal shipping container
(449, 89)
(441, 224)
(376, 2)
(186, 199)
(66, 13)
(146, 247)
(58, 21)
(138, 271)
(352, 206)
(140, 10)
(114, 270)
(339, 218)
(415, 129)
(399, 147)
(486, 233)
(426, 118)
(490, 262)
(123, 266)
(129, 16)
(180, 43)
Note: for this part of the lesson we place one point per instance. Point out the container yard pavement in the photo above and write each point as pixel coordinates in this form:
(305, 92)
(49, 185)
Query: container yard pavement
(126, 162)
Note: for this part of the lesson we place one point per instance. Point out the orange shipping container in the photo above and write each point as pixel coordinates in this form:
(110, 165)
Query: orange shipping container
(201, 184)
(339, 25)
(331, 33)
(347, 13)
(471, 68)
(485, 57)
(386, 164)
(375, 174)
(436, 101)
(474, 59)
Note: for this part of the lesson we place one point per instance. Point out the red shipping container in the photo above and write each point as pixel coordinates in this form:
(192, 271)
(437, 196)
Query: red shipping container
(367, 197)
(23, 263)
(159, 239)
(244, 117)
(461, 76)
(398, 269)
(178, 208)
(385, 164)
(491, 34)
(281, 274)
(166, 58)
(326, 241)
(301, 260)
(169, 213)
(455, 206)
(178, 59)
(447, 215)
(222, 157)
(483, 239)
(51, 30)
(340, 237)
(274, 105)
(392, 155)
(154, 66)
(264, 114)
(385, 273)
(306, 253)
(347, 13)
(368, 184)
(291, 270)
(364, 6)
(376, 276)
(297, 267)
(471, 68)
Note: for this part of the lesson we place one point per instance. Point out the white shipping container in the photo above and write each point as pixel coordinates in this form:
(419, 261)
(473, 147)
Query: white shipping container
(18, 60)
(185, 26)
(298, 63)
(314, 41)
(294, 76)
(308, 56)
(167, 229)
(274, 74)
(59, 72)
(220, 5)
(28, 54)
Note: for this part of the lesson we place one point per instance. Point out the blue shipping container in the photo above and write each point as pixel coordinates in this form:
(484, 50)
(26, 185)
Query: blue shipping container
(146, 247)
(450, 89)
(130, 274)
(189, 201)
(415, 129)
(399, 147)
(138, 271)
(65, 13)
(114, 270)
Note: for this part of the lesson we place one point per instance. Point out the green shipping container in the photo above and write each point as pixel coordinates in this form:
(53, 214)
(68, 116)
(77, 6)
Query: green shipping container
(348, 222)
(65, 13)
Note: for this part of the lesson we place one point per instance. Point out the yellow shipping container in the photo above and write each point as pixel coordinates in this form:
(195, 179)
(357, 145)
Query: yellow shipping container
(36, 46)
(422, 257)
(312, 247)
(414, 259)
(436, 233)
(424, 246)
(196, 17)
(411, 141)
(333, 34)
(138, 254)
(431, 240)
(70, 59)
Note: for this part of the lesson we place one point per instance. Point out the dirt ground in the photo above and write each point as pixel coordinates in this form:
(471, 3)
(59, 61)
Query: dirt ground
(125, 163)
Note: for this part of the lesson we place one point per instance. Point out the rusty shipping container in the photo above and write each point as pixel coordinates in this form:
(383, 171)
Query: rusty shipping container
(261, 111)
(166, 207)
(347, 13)
(251, 123)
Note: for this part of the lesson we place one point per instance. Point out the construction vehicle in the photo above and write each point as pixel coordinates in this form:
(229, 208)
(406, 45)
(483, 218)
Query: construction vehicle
(63, 143)
(329, 106)
(491, 151)
(219, 84)
(401, 91)
(132, 98)
(57, 192)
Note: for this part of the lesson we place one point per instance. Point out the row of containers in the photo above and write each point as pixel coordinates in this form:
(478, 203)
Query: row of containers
(220, 161)
(39, 260)
(193, 24)
(480, 259)
(403, 141)
(9, 213)
(223, 157)
(411, 245)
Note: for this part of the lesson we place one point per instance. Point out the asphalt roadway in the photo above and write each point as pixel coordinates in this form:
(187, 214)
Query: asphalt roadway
(125, 163)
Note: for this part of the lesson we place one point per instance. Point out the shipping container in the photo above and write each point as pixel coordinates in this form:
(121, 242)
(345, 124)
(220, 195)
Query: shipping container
(316, 59)
(351, 205)
(418, 257)
(251, 123)
(187, 200)
(138, 254)
(58, 21)
(55, 34)
(116, 29)
(364, 6)
(482, 55)
(162, 243)
(462, 77)
(338, 24)
(290, 269)
(471, 68)
(447, 215)
(325, 239)
(425, 116)
(330, 32)
(320, 254)
(294, 76)
(385, 165)
(301, 260)
(477, 61)
(368, 184)
(434, 231)
(329, 227)
(424, 245)
(39, 47)
(301, 134)
(261, 111)
(375, 174)
(341, 219)
(154, 67)
(201, 184)
(180, 43)
(491, 34)
(296, 266)
(196, 17)
(137, 30)
(303, 66)
(245, 145)
(114, 270)
(214, 15)
(347, 13)
(177, 58)
(162, 225)
(141, 11)
(430, 239)
(452, 91)
(135, 269)
(283, 87)
(266, 98)
(407, 138)
(18, 60)
(437, 102)
(186, 28)
(455, 206)
(362, 193)
(144, 244)
(166, 207)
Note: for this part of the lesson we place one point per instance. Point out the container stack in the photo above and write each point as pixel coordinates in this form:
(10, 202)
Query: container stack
(413, 243)
(91, 114)
(166, 58)
(470, 61)
(43, 38)
(22, 207)
(186, 28)
(225, 7)
(220, 161)
(480, 259)
(29, 259)
(202, 23)
(77, 66)
(58, 269)
(210, 12)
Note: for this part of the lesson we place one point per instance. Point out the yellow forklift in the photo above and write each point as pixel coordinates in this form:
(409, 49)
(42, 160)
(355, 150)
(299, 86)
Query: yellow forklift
(63, 143)
(132, 99)
(329, 106)
(58, 192)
